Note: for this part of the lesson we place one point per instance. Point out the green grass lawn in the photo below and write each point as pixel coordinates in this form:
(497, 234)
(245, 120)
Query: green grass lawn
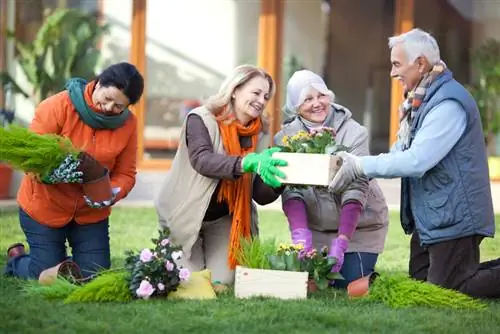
(322, 313)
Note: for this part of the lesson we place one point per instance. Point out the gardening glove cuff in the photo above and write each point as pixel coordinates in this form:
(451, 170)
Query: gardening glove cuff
(67, 172)
(104, 203)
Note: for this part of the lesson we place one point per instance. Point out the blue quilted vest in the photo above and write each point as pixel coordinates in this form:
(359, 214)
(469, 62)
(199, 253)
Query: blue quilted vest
(453, 199)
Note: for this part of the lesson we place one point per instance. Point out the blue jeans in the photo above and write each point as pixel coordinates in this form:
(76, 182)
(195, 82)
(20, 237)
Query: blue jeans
(89, 247)
(356, 265)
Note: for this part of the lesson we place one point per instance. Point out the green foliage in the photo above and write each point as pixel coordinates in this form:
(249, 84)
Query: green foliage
(399, 291)
(60, 289)
(254, 252)
(319, 142)
(64, 47)
(109, 286)
(486, 91)
(34, 153)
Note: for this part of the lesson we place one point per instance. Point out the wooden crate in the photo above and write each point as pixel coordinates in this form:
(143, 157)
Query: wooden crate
(270, 283)
(309, 169)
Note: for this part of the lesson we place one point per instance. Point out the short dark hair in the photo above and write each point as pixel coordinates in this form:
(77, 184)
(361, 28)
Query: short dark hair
(126, 78)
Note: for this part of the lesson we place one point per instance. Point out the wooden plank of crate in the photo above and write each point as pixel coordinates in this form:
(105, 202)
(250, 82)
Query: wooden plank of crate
(308, 169)
(270, 283)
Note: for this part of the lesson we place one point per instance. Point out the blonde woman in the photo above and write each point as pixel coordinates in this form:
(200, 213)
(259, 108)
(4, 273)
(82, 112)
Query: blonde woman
(206, 199)
(354, 222)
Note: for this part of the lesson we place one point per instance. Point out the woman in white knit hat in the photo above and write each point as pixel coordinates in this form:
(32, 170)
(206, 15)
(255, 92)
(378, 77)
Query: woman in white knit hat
(353, 224)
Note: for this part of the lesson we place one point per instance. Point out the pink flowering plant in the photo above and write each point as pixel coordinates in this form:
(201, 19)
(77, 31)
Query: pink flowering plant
(155, 272)
(317, 263)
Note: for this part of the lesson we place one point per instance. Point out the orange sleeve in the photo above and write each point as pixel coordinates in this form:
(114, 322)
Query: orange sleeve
(49, 116)
(124, 172)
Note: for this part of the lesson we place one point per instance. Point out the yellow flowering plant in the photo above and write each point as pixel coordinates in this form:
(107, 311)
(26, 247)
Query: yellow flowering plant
(321, 141)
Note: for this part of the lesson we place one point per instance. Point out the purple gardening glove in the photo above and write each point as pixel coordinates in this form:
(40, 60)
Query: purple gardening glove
(302, 236)
(337, 250)
(295, 210)
(349, 218)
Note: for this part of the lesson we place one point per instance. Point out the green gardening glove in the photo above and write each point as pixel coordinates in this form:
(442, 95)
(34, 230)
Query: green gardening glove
(264, 165)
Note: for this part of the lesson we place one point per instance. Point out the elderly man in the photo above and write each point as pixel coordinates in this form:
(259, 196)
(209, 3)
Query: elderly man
(440, 155)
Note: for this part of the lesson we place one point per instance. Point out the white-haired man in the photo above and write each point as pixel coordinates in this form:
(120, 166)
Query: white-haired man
(440, 155)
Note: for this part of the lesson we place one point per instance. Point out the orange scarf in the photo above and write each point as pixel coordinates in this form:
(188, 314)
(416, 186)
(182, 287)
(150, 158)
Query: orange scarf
(237, 193)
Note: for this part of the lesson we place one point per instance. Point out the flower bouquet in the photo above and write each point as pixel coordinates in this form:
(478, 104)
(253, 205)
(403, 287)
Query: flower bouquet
(154, 272)
(148, 273)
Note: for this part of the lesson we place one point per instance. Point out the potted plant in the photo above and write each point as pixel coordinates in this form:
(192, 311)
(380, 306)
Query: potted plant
(64, 47)
(6, 172)
(486, 92)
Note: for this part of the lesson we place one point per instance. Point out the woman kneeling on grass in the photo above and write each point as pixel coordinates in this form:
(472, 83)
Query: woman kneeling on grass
(353, 223)
(206, 199)
(95, 118)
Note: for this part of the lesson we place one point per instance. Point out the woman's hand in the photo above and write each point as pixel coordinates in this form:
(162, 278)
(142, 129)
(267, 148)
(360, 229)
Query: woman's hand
(264, 165)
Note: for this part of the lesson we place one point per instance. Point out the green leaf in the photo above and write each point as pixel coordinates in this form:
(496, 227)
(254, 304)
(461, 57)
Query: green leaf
(277, 262)
(322, 283)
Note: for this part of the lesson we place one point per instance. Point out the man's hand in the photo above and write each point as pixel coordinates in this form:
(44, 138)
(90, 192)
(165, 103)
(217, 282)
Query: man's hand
(350, 171)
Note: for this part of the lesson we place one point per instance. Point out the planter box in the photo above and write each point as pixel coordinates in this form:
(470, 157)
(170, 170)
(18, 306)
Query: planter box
(309, 169)
(270, 283)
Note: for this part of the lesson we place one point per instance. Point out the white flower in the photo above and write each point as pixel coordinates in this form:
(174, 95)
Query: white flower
(176, 255)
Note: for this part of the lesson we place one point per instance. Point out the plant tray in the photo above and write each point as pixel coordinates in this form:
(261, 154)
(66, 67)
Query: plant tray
(309, 169)
(270, 283)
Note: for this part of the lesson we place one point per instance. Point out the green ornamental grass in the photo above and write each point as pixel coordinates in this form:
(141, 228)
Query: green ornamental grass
(109, 286)
(34, 153)
(400, 291)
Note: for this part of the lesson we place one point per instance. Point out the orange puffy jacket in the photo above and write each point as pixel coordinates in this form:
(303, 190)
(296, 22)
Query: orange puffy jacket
(57, 205)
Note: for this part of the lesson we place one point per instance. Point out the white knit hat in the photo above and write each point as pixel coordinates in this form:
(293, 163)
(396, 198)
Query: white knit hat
(299, 86)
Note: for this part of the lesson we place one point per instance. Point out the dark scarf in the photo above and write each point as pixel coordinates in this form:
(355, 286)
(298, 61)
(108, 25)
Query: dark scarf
(96, 120)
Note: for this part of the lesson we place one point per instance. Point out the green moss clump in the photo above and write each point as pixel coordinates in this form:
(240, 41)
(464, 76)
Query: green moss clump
(399, 291)
(111, 286)
(32, 152)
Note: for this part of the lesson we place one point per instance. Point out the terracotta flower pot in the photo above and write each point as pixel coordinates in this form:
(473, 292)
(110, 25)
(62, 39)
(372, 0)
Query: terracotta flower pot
(91, 168)
(5, 180)
(361, 286)
(67, 269)
(311, 286)
(99, 190)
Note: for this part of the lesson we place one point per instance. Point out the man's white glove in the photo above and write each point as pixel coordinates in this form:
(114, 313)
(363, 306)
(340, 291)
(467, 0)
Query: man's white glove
(350, 170)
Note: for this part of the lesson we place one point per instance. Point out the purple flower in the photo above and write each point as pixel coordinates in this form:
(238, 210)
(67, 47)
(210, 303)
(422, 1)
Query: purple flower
(169, 266)
(145, 290)
(146, 255)
(184, 274)
(164, 242)
(161, 286)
